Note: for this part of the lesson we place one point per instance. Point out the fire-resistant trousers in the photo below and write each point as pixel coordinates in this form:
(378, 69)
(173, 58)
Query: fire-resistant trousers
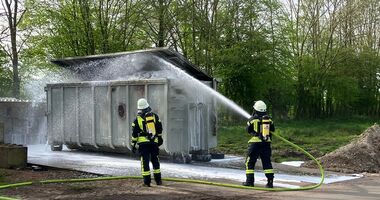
(264, 151)
(149, 152)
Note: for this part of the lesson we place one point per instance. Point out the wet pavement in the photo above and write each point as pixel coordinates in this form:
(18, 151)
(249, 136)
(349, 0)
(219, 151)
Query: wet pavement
(122, 165)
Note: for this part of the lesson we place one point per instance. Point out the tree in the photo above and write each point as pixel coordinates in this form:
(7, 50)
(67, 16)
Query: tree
(13, 12)
(82, 27)
(5, 76)
(156, 18)
(307, 59)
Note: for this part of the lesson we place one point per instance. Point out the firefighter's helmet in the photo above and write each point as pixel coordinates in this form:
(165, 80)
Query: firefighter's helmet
(260, 106)
(142, 104)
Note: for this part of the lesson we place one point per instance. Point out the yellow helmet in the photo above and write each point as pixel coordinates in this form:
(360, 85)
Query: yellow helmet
(260, 106)
(142, 104)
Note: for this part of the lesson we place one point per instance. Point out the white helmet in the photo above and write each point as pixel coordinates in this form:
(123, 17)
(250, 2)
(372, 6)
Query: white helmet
(142, 104)
(260, 106)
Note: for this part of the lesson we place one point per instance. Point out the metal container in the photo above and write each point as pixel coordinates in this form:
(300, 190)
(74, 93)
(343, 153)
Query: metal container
(1, 132)
(98, 115)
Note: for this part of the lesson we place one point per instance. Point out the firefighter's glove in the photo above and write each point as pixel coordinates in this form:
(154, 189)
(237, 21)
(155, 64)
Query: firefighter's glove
(160, 140)
(134, 149)
(150, 136)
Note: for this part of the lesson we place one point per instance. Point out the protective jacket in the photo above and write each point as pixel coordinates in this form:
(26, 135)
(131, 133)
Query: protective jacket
(260, 126)
(147, 128)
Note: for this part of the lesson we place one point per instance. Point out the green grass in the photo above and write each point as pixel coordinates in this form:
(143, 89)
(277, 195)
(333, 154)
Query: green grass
(318, 137)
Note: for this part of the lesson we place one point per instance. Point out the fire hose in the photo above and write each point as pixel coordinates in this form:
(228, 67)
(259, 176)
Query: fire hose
(182, 179)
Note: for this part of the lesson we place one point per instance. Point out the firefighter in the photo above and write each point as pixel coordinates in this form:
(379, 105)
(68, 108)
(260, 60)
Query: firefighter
(260, 127)
(147, 134)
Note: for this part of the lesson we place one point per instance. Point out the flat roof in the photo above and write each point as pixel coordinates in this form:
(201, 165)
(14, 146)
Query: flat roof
(167, 54)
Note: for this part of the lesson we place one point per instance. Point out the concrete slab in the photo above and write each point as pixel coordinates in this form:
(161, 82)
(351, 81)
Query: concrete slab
(13, 156)
(120, 165)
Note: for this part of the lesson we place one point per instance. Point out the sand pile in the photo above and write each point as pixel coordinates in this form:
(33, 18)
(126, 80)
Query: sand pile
(361, 155)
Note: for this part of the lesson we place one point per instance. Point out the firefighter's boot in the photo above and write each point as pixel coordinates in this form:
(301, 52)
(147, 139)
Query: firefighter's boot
(157, 178)
(147, 181)
(250, 180)
(270, 183)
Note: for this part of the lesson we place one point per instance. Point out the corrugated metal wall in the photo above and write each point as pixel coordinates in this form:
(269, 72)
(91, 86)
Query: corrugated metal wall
(1, 132)
(192, 117)
(87, 113)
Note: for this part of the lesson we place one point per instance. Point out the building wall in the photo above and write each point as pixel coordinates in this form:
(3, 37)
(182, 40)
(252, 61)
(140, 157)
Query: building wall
(23, 122)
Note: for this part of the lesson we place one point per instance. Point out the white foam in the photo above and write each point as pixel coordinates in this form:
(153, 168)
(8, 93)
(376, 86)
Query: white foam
(293, 163)
(120, 165)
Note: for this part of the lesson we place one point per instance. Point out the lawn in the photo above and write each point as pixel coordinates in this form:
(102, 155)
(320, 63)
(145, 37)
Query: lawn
(318, 137)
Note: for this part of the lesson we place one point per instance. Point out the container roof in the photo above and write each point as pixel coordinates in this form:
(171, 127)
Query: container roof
(108, 83)
(167, 54)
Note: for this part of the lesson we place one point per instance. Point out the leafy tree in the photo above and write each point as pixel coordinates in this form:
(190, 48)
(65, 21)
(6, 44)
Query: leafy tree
(307, 59)
(5, 76)
(13, 13)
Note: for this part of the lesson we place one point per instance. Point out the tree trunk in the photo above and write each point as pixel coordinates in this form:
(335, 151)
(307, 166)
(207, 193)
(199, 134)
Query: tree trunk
(161, 25)
(12, 22)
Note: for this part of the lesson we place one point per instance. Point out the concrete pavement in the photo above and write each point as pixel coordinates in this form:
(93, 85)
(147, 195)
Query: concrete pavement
(120, 165)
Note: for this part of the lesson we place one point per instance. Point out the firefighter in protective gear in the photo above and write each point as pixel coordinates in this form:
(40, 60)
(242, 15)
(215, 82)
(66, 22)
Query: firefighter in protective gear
(147, 134)
(260, 127)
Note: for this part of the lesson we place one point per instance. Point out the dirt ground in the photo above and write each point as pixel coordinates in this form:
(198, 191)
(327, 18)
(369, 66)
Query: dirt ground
(115, 189)
(364, 188)
(361, 155)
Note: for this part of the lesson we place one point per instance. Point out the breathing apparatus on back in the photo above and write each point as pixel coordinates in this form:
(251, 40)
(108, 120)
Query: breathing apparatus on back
(150, 126)
(260, 109)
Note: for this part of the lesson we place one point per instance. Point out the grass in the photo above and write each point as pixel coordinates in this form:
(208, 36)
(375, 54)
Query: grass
(318, 137)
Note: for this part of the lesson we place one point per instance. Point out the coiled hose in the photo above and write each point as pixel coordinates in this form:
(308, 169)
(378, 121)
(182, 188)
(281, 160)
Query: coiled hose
(183, 180)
